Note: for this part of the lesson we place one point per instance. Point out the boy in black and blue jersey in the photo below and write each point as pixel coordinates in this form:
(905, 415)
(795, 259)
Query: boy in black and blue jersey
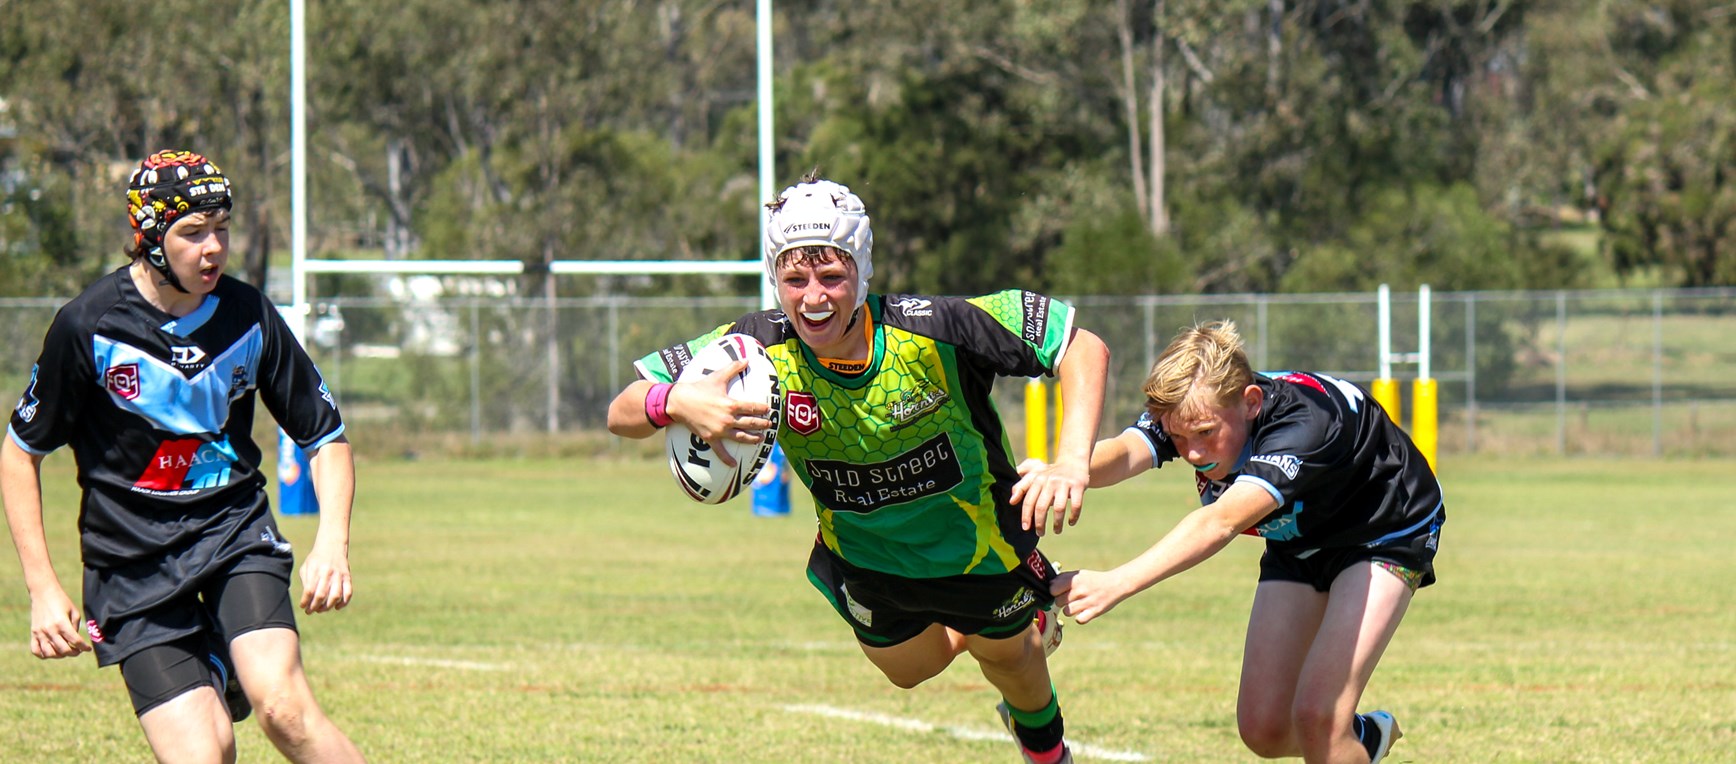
(151, 377)
(1350, 510)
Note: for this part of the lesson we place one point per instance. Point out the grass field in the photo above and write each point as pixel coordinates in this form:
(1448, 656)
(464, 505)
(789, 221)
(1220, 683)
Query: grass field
(582, 611)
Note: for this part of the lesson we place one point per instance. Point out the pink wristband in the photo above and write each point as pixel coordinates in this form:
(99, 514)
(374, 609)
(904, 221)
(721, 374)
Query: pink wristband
(657, 403)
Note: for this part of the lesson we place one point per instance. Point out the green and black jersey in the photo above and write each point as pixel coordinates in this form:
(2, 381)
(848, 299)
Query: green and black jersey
(907, 460)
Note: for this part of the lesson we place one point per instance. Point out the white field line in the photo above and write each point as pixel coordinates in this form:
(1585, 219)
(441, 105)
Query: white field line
(1080, 750)
(435, 663)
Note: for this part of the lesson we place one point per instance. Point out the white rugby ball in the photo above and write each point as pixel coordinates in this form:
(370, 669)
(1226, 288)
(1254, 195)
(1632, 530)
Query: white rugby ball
(698, 470)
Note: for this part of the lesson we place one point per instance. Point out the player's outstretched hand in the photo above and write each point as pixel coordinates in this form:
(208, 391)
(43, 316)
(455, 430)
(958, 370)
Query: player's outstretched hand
(1086, 594)
(325, 581)
(1050, 493)
(706, 407)
(54, 626)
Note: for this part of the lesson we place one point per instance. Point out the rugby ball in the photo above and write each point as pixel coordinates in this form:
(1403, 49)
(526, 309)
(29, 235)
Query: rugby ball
(697, 469)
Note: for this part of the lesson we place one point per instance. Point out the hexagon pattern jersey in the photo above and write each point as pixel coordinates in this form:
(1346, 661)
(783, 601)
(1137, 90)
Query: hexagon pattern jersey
(906, 458)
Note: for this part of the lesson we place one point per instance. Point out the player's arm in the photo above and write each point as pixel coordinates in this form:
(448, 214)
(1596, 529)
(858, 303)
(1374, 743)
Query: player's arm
(627, 415)
(1119, 458)
(53, 616)
(702, 405)
(325, 573)
(1060, 486)
(1087, 594)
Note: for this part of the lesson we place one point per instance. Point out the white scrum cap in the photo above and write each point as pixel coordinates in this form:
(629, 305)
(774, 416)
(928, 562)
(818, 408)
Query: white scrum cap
(821, 213)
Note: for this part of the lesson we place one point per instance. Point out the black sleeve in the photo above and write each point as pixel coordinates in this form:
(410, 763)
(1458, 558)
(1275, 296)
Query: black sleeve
(291, 386)
(63, 376)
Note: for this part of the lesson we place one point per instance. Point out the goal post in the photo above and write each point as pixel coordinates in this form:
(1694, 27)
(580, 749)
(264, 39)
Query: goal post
(1425, 391)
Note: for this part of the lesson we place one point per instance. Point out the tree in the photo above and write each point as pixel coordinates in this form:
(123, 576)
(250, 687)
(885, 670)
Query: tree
(1667, 168)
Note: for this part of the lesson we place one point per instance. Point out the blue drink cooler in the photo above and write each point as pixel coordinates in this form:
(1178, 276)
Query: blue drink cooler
(771, 487)
(295, 494)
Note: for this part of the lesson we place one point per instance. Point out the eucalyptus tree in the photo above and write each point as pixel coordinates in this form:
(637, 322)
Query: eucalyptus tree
(1666, 167)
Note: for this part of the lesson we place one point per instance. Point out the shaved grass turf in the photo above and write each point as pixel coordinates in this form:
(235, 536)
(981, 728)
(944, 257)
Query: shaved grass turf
(584, 611)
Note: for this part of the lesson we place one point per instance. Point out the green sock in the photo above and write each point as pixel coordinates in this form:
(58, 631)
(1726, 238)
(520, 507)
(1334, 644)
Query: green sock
(1040, 718)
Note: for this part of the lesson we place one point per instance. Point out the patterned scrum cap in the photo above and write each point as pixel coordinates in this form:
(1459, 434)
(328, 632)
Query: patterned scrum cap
(167, 185)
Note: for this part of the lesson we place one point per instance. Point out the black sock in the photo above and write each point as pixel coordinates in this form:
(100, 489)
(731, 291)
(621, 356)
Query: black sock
(1369, 733)
(1042, 737)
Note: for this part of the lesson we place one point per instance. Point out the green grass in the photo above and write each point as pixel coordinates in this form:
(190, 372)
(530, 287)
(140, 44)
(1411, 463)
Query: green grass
(580, 610)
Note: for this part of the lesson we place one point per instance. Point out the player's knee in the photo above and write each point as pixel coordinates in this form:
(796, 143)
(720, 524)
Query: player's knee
(284, 717)
(1268, 737)
(908, 678)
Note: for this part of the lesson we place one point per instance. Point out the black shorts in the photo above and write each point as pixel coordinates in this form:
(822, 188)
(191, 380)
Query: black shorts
(1318, 567)
(183, 610)
(233, 605)
(887, 610)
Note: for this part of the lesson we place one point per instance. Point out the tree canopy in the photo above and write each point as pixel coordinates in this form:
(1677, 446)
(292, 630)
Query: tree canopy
(1155, 146)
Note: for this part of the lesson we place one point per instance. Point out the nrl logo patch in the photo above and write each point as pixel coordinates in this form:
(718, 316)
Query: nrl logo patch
(802, 412)
(123, 381)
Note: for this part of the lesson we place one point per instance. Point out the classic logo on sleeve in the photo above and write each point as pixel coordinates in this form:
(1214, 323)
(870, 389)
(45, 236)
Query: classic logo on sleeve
(914, 306)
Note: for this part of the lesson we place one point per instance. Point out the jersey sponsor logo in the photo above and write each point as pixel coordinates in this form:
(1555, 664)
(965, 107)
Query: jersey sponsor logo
(1015, 603)
(675, 359)
(844, 367)
(1286, 463)
(186, 357)
(28, 404)
(861, 614)
(1038, 565)
(915, 403)
(914, 306)
(1283, 528)
(1036, 324)
(122, 380)
(802, 412)
(926, 470)
(187, 465)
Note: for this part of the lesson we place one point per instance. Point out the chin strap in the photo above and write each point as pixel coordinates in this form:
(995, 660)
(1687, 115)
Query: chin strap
(157, 260)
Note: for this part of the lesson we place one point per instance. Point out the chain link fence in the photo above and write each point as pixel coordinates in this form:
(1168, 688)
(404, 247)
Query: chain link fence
(1604, 372)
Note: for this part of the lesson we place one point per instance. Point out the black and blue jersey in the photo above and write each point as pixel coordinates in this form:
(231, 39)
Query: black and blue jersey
(1343, 474)
(159, 413)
